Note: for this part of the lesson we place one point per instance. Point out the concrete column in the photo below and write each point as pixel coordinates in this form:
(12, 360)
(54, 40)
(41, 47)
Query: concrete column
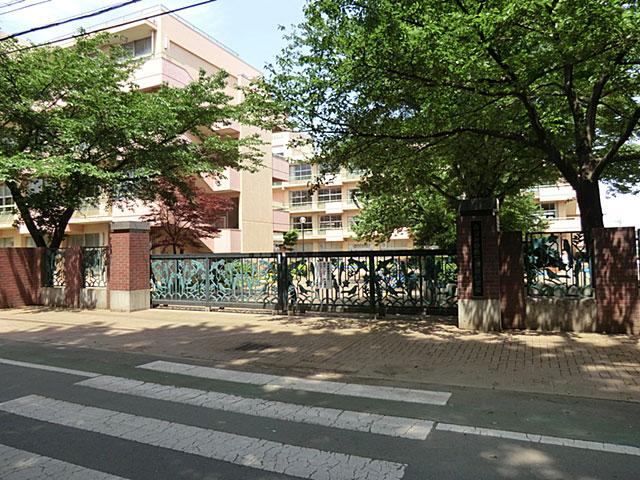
(129, 267)
(512, 294)
(616, 280)
(478, 266)
(73, 276)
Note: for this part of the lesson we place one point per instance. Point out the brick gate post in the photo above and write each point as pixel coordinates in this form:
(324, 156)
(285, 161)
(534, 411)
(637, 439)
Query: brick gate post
(73, 276)
(129, 267)
(478, 265)
(616, 280)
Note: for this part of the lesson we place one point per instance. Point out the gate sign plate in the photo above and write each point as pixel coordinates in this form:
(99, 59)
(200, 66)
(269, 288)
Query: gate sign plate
(324, 279)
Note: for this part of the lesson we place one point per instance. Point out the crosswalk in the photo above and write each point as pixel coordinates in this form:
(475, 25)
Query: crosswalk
(115, 417)
(18, 464)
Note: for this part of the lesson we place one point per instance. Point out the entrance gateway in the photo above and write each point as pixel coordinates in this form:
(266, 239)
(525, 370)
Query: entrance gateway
(394, 281)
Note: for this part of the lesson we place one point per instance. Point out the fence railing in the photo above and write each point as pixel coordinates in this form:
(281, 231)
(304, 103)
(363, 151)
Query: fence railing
(365, 281)
(95, 262)
(54, 268)
(558, 265)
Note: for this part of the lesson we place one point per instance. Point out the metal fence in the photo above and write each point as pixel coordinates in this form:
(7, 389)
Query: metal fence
(409, 281)
(95, 262)
(54, 268)
(558, 265)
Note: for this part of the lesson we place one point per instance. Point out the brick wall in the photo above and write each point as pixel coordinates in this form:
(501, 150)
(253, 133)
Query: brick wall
(512, 294)
(129, 261)
(20, 276)
(616, 280)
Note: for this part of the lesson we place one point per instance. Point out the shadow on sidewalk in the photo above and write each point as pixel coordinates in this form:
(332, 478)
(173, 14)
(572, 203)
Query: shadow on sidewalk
(390, 349)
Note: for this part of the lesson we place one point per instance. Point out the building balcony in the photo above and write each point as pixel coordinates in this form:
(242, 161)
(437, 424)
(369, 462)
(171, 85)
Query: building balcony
(7, 219)
(228, 182)
(553, 193)
(229, 240)
(92, 213)
(316, 206)
(564, 224)
(280, 168)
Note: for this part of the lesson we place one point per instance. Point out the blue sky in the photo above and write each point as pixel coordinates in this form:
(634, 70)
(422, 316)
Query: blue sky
(250, 27)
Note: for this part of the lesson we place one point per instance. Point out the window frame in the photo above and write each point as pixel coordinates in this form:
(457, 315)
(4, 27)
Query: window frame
(330, 195)
(6, 208)
(330, 222)
(549, 213)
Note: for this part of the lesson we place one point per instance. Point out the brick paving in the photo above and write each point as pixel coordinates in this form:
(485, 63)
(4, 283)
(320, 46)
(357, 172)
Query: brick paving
(390, 352)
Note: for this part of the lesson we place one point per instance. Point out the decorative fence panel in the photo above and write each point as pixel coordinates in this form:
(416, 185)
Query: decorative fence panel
(54, 268)
(95, 261)
(409, 281)
(558, 265)
(215, 279)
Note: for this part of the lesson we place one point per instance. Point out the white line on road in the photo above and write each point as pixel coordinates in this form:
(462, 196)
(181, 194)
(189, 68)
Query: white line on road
(19, 465)
(49, 368)
(535, 438)
(295, 383)
(251, 452)
(412, 428)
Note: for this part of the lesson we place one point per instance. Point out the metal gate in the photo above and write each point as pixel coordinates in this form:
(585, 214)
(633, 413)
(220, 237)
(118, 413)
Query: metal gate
(394, 281)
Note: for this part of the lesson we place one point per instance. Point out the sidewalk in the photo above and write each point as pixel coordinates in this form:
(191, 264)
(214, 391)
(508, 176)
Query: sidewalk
(391, 351)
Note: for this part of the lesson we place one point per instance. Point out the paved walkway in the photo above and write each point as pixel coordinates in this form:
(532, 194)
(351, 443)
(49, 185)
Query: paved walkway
(391, 351)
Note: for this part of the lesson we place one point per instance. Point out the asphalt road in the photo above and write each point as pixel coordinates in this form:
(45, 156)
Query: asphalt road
(110, 419)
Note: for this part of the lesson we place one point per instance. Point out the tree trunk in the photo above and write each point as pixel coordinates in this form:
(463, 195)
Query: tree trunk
(588, 196)
(58, 234)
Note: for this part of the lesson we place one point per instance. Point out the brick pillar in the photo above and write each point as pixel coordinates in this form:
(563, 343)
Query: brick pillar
(478, 266)
(73, 276)
(512, 295)
(129, 267)
(616, 280)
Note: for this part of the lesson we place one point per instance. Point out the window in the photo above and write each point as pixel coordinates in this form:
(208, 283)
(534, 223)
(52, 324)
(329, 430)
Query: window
(330, 222)
(300, 171)
(351, 222)
(6, 200)
(222, 222)
(85, 240)
(296, 223)
(6, 242)
(549, 210)
(333, 194)
(300, 197)
(139, 48)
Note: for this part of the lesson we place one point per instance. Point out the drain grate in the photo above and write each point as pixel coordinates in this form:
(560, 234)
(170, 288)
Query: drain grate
(252, 347)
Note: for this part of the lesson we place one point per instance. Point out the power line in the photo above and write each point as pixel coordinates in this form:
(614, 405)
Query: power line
(14, 2)
(97, 30)
(73, 19)
(25, 6)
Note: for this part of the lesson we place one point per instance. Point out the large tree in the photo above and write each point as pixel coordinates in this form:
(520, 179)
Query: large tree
(75, 129)
(182, 222)
(392, 84)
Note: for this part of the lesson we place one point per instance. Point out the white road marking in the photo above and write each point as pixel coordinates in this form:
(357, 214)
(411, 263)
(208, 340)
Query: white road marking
(49, 368)
(20, 465)
(535, 438)
(295, 383)
(412, 428)
(251, 452)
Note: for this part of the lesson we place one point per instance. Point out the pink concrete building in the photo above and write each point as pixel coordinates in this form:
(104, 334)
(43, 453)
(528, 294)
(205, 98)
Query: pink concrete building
(173, 52)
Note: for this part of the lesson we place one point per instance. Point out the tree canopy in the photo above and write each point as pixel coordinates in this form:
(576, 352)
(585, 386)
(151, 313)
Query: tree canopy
(75, 129)
(470, 97)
